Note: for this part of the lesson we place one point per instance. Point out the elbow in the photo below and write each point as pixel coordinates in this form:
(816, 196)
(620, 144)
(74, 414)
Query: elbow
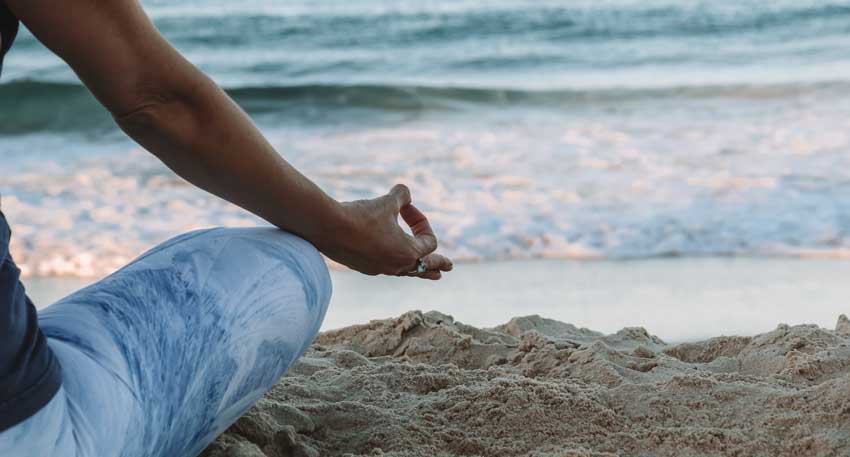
(142, 108)
(138, 92)
(149, 126)
(166, 130)
(168, 115)
(155, 102)
(139, 119)
(158, 117)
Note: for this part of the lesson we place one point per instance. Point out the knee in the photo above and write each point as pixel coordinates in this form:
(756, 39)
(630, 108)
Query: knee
(280, 273)
(271, 245)
(245, 254)
(227, 257)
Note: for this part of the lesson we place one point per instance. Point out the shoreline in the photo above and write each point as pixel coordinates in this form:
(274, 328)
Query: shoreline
(424, 384)
(681, 299)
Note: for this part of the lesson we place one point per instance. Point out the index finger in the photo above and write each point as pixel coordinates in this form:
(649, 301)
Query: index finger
(401, 195)
(423, 234)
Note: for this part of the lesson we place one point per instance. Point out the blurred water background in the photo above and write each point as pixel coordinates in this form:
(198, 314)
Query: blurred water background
(527, 129)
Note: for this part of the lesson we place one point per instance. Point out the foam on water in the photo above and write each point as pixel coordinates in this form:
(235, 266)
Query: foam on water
(675, 177)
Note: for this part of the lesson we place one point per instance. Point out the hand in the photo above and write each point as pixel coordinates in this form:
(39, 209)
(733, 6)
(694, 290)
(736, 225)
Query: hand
(371, 241)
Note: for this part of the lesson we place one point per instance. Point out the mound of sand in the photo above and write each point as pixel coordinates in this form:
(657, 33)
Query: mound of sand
(425, 385)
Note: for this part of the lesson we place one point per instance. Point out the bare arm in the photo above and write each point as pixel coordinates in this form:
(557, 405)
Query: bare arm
(177, 113)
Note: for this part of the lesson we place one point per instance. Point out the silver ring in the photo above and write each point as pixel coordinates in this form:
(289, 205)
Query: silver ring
(420, 266)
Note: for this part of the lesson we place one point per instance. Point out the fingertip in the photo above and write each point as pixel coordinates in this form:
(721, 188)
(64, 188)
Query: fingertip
(445, 264)
(402, 194)
(432, 275)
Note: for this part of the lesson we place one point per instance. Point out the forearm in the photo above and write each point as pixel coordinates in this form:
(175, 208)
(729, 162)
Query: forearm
(201, 134)
(174, 111)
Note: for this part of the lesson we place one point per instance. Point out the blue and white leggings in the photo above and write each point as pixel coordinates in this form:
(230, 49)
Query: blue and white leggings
(162, 356)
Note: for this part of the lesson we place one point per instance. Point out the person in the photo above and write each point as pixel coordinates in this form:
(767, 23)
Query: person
(160, 357)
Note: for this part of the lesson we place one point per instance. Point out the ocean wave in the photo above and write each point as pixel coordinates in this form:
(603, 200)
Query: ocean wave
(408, 25)
(404, 55)
(400, 25)
(28, 106)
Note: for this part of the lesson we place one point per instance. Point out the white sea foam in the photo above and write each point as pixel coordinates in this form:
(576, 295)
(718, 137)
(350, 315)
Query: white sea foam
(679, 177)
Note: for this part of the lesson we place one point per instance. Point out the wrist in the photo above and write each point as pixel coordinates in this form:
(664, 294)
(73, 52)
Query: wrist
(334, 226)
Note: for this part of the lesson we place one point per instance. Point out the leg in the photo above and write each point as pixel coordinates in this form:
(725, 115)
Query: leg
(48, 432)
(160, 357)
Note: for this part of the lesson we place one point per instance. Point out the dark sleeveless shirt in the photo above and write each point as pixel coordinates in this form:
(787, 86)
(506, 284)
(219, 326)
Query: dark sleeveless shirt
(8, 30)
(29, 372)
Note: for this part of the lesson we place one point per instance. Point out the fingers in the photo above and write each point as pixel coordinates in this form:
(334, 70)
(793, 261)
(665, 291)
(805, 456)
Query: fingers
(435, 264)
(424, 238)
(400, 195)
(432, 275)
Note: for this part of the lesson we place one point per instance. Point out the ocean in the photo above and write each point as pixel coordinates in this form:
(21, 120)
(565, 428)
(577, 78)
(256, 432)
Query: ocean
(527, 129)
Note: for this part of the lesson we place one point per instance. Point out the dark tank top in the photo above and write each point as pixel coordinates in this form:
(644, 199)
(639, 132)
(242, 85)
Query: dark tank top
(29, 372)
(8, 30)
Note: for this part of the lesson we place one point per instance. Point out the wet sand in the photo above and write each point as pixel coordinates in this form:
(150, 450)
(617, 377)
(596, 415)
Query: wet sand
(678, 299)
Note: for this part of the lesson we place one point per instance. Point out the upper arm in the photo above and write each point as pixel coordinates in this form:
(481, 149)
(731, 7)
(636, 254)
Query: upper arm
(113, 47)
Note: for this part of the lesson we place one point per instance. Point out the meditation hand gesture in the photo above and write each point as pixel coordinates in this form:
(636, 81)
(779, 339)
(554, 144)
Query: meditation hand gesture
(371, 241)
(255, 298)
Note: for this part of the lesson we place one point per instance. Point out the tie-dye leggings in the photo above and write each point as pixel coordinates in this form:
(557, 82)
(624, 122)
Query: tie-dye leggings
(160, 357)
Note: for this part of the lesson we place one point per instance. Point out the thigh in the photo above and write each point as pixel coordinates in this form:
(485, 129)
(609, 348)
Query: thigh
(184, 339)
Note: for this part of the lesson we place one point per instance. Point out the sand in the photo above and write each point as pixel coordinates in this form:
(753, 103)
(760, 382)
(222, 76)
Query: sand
(423, 384)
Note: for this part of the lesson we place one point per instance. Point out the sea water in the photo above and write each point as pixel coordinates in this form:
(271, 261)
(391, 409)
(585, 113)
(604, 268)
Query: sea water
(605, 129)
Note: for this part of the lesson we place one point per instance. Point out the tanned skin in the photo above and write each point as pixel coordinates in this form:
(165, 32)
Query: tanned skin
(181, 116)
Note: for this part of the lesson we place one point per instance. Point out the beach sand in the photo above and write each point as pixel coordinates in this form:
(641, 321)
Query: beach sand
(424, 384)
